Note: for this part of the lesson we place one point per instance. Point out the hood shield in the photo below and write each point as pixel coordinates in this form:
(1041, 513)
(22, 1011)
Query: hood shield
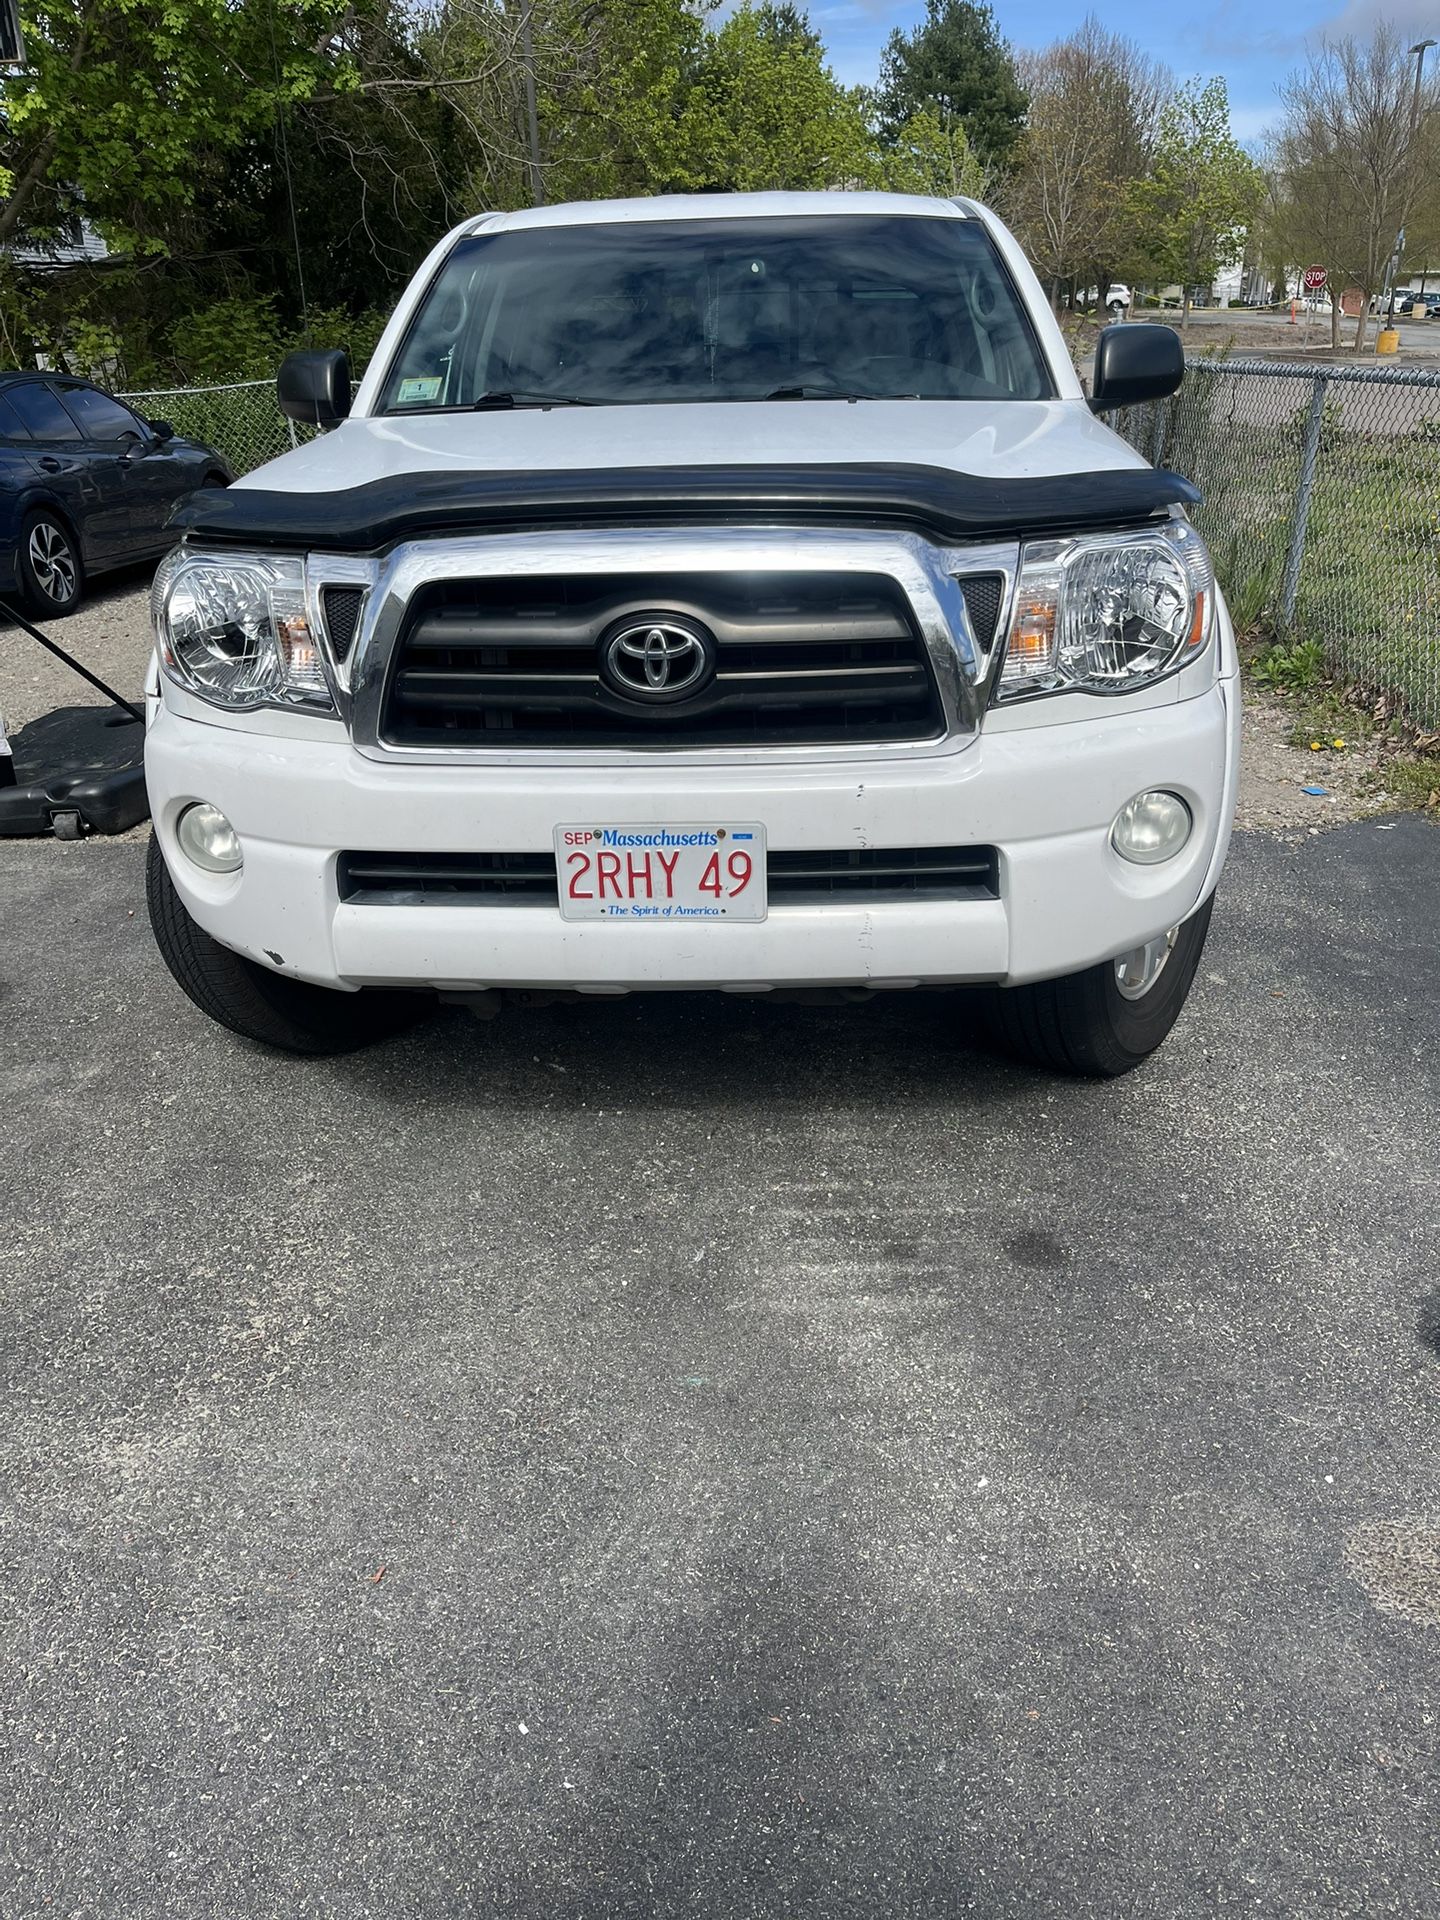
(934, 501)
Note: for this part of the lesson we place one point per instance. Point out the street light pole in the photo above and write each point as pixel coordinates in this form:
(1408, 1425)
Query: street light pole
(1419, 50)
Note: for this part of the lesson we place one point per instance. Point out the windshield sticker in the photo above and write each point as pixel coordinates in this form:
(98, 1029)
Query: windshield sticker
(419, 387)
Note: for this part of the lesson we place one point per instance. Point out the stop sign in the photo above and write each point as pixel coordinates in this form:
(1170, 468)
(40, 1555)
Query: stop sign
(1315, 278)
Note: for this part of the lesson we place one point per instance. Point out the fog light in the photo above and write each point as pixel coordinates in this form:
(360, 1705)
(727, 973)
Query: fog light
(207, 838)
(1150, 828)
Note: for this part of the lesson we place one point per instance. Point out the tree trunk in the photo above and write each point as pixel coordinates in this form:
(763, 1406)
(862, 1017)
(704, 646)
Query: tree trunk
(25, 186)
(1185, 310)
(1360, 325)
(1334, 324)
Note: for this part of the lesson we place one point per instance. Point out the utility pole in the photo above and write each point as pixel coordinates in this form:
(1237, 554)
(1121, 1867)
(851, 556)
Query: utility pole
(527, 57)
(1419, 50)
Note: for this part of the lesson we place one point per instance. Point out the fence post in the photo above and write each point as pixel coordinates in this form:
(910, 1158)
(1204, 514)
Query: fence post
(1309, 458)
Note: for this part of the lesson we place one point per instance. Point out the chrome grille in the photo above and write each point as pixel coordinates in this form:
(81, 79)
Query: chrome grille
(800, 658)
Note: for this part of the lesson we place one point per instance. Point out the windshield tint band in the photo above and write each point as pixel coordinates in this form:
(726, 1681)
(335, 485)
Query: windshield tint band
(941, 504)
(669, 311)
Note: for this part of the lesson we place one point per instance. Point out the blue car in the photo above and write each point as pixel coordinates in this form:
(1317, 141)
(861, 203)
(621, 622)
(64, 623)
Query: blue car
(85, 485)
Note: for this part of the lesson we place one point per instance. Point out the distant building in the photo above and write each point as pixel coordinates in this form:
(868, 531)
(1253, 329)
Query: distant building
(80, 246)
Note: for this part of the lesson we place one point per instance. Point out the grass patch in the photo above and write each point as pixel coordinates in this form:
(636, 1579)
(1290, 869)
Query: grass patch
(1415, 781)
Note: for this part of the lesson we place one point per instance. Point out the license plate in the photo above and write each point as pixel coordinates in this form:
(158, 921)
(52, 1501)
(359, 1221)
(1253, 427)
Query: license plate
(662, 874)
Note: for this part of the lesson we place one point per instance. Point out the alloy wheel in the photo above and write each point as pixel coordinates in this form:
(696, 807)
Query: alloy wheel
(52, 561)
(1137, 971)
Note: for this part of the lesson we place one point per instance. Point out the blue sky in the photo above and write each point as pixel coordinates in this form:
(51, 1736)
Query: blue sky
(1252, 43)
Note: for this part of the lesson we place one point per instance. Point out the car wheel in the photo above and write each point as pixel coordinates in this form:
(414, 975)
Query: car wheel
(291, 1015)
(49, 566)
(1106, 1020)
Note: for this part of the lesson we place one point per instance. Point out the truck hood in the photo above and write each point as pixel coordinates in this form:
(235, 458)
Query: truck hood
(1017, 439)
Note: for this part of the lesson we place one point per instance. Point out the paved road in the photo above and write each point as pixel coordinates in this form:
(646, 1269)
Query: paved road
(701, 1458)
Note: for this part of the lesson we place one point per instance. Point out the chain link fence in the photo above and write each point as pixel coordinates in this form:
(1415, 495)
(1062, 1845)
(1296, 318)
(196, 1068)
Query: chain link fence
(243, 420)
(1321, 485)
(1322, 507)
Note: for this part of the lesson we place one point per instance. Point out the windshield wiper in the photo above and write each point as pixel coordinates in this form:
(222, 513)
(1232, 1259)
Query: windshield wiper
(815, 393)
(830, 392)
(522, 397)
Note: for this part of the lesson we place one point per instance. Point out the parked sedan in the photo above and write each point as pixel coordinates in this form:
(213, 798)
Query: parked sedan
(85, 485)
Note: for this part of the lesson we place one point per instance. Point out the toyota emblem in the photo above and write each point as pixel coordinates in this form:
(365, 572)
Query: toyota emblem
(661, 659)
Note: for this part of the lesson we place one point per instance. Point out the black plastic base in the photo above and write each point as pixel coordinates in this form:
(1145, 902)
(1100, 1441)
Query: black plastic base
(77, 770)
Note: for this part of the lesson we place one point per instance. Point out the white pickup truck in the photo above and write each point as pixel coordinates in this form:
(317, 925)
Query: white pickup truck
(734, 592)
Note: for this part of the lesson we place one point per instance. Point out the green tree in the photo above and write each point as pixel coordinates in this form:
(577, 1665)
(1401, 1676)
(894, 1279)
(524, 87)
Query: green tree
(955, 65)
(783, 21)
(765, 111)
(930, 155)
(1201, 194)
(1095, 102)
(610, 80)
(374, 172)
(124, 109)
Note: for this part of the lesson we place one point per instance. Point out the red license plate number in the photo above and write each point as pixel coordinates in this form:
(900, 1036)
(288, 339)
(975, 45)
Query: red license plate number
(711, 873)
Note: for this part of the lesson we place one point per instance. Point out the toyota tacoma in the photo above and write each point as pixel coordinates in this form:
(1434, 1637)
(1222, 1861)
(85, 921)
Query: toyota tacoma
(737, 592)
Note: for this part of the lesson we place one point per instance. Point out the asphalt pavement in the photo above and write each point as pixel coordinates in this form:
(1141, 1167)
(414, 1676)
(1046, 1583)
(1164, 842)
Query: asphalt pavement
(706, 1458)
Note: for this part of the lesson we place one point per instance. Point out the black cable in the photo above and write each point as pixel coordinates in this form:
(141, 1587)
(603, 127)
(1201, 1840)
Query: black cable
(70, 661)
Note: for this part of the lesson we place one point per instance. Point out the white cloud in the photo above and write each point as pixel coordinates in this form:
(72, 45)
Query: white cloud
(1414, 19)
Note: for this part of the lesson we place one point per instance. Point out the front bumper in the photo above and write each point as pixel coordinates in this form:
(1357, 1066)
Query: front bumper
(1044, 796)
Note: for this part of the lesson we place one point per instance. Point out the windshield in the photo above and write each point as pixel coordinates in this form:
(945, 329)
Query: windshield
(900, 307)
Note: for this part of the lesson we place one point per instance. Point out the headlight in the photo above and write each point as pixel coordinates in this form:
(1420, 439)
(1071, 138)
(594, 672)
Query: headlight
(236, 629)
(1105, 613)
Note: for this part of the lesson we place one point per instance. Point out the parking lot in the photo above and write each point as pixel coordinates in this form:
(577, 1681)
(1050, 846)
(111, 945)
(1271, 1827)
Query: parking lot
(696, 1456)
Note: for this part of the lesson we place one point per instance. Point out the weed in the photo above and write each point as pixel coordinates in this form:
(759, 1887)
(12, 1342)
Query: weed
(1414, 780)
(1296, 668)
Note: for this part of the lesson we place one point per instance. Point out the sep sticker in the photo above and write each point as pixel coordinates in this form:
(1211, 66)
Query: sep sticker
(419, 387)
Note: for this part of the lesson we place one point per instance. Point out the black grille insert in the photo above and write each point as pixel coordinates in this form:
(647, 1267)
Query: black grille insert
(515, 875)
(936, 873)
(801, 658)
(342, 616)
(982, 593)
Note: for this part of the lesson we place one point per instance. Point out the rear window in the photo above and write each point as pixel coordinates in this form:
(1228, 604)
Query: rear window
(882, 308)
(40, 409)
(12, 427)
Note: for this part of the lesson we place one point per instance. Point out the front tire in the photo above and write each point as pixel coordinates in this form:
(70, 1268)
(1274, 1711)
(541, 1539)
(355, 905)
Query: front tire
(48, 565)
(1108, 1019)
(291, 1015)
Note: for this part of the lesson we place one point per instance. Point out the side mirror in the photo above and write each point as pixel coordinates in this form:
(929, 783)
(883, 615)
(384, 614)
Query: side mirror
(161, 429)
(315, 387)
(1135, 363)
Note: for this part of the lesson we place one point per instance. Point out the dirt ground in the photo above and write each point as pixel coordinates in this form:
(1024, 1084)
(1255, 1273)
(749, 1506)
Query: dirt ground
(1275, 776)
